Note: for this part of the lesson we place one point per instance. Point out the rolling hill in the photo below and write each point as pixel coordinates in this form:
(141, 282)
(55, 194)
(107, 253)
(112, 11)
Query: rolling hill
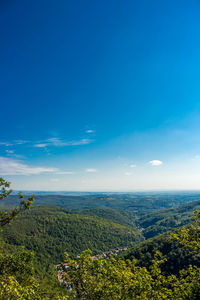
(50, 231)
(161, 221)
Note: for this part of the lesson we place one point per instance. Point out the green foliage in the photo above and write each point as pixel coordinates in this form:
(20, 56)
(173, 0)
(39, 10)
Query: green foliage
(178, 256)
(117, 279)
(190, 236)
(164, 220)
(50, 231)
(49, 287)
(123, 217)
(11, 289)
(7, 217)
(139, 203)
(19, 263)
(19, 276)
(16, 270)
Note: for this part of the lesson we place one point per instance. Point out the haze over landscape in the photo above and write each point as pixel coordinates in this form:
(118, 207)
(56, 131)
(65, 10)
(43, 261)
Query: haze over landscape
(100, 95)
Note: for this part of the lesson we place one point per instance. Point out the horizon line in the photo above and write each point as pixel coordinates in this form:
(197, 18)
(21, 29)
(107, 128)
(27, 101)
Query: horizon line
(108, 191)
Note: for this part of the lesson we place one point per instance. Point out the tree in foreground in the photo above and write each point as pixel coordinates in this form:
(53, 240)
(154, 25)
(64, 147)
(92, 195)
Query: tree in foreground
(16, 270)
(189, 236)
(17, 273)
(7, 216)
(118, 279)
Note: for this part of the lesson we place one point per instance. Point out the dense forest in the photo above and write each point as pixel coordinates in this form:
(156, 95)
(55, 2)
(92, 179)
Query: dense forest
(50, 231)
(161, 260)
(161, 221)
(136, 202)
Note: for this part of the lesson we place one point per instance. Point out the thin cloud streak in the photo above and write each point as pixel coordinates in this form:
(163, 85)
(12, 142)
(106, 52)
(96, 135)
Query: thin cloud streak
(64, 173)
(21, 142)
(60, 143)
(5, 144)
(9, 166)
(40, 145)
(9, 151)
(56, 142)
(91, 170)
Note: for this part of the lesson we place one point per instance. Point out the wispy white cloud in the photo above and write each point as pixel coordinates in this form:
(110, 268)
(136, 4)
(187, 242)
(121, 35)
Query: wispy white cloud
(91, 170)
(132, 166)
(10, 166)
(5, 144)
(155, 162)
(40, 145)
(57, 142)
(80, 142)
(64, 172)
(90, 131)
(9, 151)
(61, 143)
(21, 142)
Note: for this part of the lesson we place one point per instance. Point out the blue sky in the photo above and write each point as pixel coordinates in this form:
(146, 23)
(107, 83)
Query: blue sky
(100, 95)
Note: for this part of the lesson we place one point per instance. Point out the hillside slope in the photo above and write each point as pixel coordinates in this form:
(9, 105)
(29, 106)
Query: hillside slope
(161, 221)
(123, 217)
(177, 256)
(50, 231)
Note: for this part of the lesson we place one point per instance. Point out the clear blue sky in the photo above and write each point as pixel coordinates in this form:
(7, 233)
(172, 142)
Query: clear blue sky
(100, 95)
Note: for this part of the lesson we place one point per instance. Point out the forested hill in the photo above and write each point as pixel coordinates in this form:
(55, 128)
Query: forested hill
(152, 224)
(177, 256)
(123, 217)
(161, 221)
(136, 202)
(50, 231)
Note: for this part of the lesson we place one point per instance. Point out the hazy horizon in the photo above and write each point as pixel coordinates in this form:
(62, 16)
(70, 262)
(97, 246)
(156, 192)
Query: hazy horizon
(15, 192)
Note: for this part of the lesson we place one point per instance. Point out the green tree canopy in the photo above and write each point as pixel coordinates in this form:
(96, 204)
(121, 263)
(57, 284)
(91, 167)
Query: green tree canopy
(5, 191)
